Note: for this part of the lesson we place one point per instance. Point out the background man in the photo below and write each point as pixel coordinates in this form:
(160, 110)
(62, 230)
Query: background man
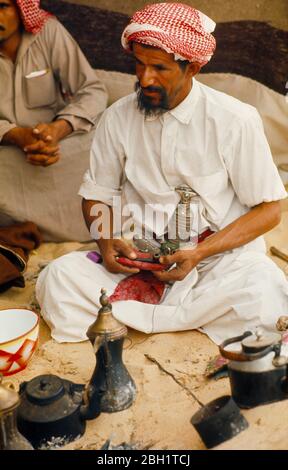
(176, 131)
(48, 91)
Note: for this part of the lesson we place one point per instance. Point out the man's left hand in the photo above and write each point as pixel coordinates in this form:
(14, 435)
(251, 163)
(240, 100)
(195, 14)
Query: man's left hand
(185, 261)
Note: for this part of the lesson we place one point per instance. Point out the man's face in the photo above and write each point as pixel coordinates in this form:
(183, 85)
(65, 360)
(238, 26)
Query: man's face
(162, 83)
(9, 19)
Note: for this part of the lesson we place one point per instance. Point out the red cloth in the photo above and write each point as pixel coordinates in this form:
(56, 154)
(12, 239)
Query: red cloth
(143, 287)
(32, 15)
(174, 27)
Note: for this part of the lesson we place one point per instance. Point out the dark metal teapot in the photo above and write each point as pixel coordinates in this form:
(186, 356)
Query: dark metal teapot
(50, 413)
(257, 371)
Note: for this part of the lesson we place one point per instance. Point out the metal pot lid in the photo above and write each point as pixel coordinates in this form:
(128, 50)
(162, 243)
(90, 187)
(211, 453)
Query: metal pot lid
(45, 389)
(260, 341)
(9, 398)
(106, 324)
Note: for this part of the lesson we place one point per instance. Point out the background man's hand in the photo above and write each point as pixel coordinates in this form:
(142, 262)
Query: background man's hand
(38, 152)
(52, 132)
(112, 248)
(41, 142)
(46, 150)
(185, 261)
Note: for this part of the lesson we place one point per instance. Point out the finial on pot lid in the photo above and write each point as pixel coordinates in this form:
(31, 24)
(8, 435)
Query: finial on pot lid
(105, 324)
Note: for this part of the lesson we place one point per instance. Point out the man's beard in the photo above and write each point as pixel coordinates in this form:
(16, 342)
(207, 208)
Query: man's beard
(145, 103)
(2, 30)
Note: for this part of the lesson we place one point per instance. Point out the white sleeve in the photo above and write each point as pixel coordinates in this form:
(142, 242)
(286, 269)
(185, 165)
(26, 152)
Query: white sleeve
(103, 180)
(250, 165)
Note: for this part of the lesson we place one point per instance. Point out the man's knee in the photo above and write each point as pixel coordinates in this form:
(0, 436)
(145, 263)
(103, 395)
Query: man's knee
(55, 270)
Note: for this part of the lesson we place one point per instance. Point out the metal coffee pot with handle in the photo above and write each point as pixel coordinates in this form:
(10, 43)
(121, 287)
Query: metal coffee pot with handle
(257, 368)
(10, 437)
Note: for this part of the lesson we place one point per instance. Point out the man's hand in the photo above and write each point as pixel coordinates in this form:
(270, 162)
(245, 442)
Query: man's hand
(46, 150)
(37, 151)
(41, 142)
(53, 132)
(112, 248)
(259, 220)
(185, 261)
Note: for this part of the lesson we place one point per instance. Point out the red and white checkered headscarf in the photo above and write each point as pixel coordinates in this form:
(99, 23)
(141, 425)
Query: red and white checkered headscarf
(174, 27)
(33, 17)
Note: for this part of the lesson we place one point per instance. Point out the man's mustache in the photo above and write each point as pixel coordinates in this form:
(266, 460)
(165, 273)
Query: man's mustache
(152, 89)
(149, 88)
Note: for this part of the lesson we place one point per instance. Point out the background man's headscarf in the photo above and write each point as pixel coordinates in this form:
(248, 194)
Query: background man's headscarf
(33, 17)
(174, 27)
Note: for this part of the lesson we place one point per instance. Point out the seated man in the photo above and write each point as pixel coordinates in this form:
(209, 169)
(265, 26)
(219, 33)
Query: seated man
(174, 131)
(48, 92)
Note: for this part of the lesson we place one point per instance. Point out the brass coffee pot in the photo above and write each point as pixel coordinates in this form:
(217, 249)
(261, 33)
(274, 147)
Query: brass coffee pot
(10, 437)
(111, 383)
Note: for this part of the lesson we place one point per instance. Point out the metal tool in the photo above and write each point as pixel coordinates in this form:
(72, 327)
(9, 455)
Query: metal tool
(180, 227)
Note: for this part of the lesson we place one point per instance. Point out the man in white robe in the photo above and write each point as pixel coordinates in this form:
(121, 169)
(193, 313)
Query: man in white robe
(175, 131)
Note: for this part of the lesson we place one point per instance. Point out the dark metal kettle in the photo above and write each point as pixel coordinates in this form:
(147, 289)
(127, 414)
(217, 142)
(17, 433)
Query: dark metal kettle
(50, 411)
(257, 370)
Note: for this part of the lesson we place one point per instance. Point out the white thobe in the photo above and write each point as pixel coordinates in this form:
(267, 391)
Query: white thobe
(216, 145)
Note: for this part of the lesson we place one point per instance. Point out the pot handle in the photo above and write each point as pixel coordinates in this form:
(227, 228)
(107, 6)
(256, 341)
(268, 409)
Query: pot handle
(241, 356)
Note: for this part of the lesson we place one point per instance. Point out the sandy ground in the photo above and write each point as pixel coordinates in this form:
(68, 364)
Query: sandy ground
(169, 373)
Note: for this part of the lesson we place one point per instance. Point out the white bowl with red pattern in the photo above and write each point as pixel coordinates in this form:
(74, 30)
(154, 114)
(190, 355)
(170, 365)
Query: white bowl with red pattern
(19, 330)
